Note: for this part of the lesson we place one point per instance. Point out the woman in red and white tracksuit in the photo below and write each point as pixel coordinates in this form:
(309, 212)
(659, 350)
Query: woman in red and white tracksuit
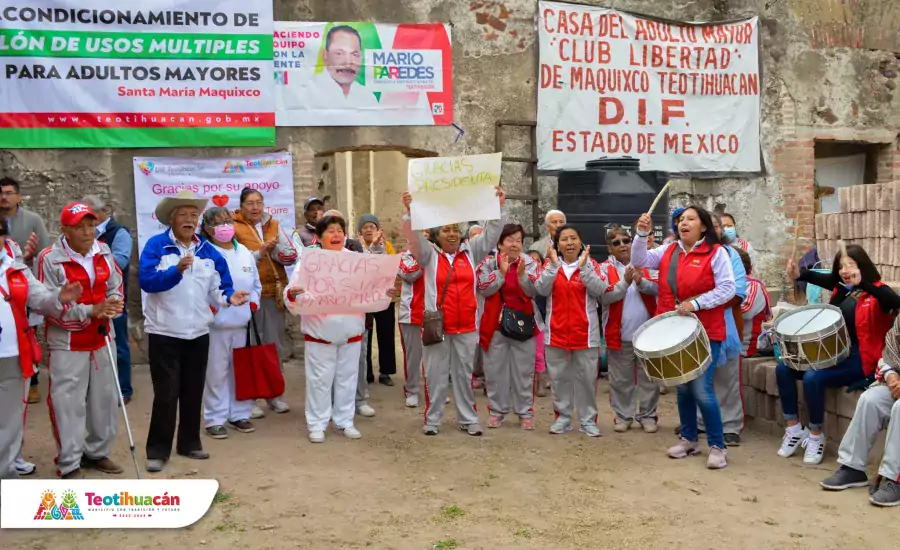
(450, 287)
(572, 282)
(704, 279)
(332, 346)
(506, 280)
(411, 307)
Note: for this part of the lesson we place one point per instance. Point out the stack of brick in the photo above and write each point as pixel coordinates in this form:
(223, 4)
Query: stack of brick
(870, 217)
(762, 403)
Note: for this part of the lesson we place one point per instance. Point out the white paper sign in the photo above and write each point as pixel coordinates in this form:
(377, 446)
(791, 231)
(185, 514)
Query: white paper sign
(679, 97)
(449, 190)
(219, 180)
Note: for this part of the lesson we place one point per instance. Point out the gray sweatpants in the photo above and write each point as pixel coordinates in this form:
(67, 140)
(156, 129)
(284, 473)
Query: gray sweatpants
(509, 367)
(13, 390)
(573, 383)
(632, 395)
(270, 322)
(727, 384)
(454, 359)
(876, 410)
(411, 337)
(362, 383)
(83, 397)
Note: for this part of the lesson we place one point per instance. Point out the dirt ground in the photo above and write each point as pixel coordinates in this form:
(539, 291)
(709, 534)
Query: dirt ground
(399, 489)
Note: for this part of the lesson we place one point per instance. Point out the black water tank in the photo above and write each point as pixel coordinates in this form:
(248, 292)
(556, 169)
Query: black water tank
(611, 191)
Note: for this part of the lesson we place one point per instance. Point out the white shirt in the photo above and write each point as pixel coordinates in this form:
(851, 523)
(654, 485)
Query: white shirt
(569, 269)
(259, 230)
(101, 228)
(9, 343)
(87, 262)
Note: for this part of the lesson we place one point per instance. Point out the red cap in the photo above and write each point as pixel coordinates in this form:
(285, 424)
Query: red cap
(73, 213)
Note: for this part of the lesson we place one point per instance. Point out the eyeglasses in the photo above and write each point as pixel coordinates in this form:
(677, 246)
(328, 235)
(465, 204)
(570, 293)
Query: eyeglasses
(618, 242)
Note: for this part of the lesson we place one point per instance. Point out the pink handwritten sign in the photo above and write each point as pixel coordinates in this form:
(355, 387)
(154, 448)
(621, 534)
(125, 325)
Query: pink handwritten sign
(343, 282)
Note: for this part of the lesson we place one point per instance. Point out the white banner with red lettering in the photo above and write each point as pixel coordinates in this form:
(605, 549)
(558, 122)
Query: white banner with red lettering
(679, 97)
(219, 180)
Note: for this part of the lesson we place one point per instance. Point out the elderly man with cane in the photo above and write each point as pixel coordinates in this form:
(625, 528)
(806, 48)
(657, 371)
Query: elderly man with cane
(183, 275)
(83, 393)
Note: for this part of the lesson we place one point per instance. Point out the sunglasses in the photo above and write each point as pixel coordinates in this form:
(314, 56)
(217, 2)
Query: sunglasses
(618, 242)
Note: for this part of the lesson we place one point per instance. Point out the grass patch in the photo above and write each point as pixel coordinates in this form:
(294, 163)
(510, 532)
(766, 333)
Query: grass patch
(524, 533)
(449, 544)
(221, 498)
(452, 512)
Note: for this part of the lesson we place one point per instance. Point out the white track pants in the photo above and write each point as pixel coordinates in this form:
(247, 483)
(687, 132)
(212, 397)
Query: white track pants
(331, 368)
(219, 404)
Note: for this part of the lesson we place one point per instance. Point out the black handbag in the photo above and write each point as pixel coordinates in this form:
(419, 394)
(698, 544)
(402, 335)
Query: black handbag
(514, 324)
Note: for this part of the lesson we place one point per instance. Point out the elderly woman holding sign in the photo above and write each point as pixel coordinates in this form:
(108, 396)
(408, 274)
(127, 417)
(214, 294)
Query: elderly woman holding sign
(449, 327)
(332, 343)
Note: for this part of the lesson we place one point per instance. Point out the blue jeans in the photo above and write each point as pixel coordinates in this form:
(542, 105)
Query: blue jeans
(123, 354)
(699, 393)
(814, 384)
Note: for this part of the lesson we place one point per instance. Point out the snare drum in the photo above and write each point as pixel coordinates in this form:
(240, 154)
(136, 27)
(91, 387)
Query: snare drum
(812, 337)
(674, 349)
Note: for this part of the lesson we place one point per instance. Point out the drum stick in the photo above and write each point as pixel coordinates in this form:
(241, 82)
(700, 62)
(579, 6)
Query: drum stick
(843, 246)
(658, 197)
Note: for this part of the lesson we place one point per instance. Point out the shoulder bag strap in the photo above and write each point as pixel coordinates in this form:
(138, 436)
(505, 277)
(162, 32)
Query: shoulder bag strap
(672, 276)
(447, 283)
(253, 330)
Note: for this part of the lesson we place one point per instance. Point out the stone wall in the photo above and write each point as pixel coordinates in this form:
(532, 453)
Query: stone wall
(829, 73)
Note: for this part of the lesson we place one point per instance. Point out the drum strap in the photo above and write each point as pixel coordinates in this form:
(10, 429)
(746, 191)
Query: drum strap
(672, 276)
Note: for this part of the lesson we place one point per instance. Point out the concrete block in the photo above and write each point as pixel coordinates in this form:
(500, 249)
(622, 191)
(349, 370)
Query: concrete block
(844, 198)
(858, 219)
(894, 190)
(771, 406)
(873, 195)
(779, 415)
(831, 427)
(750, 402)
(884, 224)
(843, 424)
(886, 251)
(820, 226)
(886, 197)
(858, 198)
(745, 372)
(758, 376)
(771, 379)
(847, 228)
(895, 221)
(846, 403)
(801, 399)
(831, 397)
(804, 417)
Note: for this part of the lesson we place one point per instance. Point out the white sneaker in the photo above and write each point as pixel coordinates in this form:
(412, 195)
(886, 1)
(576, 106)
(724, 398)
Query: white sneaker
(365, 410)
(24, 467)
(815, 449)
(257, 412)
(317, 436)
(278, 405)
(792, 441)
(412, 401)
(349, 433)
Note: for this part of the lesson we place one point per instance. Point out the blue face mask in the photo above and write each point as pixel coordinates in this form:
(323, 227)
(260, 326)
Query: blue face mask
(729, 233)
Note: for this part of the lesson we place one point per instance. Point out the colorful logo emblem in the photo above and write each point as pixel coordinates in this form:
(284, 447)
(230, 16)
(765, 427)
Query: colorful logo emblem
(78, 208)
(49, 509)
(146, 168)
(233, 168)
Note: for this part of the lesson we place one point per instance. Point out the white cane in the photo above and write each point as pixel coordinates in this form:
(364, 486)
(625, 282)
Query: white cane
(104, 331)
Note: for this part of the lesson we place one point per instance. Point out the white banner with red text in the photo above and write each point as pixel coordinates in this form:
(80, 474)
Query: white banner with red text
(679, 97)
(219, 180)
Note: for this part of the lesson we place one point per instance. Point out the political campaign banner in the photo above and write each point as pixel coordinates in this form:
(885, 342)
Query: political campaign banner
(449, 190)
(362, 74)
(219, 180)
(343, 282)
(680, 97)
(155, 73)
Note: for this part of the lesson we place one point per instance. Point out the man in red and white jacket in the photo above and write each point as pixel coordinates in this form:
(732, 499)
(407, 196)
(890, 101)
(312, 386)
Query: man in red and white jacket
(83, 394)
(629, 301)
(877, 407)
(410, 311)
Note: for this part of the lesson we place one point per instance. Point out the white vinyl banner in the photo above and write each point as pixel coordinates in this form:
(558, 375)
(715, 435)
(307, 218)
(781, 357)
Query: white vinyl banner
(679, 97)
(105, 503)
(219, 180)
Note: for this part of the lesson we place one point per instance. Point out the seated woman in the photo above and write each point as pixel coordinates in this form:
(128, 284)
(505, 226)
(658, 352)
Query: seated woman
(700, 267)
(867, 306)
(572, 282)
(877, 407)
